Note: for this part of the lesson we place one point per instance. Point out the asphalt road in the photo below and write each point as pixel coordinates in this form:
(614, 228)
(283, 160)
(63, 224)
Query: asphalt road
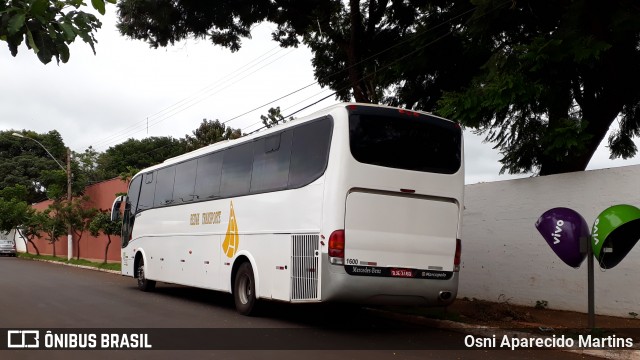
(42, 295)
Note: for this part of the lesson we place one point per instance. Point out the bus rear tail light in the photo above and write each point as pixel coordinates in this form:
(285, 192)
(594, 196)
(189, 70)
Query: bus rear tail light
(456, 259)
(336, 247)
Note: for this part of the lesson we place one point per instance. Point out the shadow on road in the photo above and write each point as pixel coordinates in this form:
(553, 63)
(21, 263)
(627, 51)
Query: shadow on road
(317, 315)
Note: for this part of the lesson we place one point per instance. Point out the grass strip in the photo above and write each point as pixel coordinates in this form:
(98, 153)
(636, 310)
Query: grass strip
(83, 262)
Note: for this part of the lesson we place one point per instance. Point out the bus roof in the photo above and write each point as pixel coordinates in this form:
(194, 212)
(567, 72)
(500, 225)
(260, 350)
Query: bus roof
(228, 143)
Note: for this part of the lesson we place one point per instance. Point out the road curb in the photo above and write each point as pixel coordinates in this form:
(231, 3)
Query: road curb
(74, 265)
(488, 331)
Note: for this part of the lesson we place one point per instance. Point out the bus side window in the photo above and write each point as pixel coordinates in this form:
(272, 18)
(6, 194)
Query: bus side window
(134, 192)
(164, 186)
(147, 191)
(310, 152)
(236, 170)
(271, 159)
(208, 174)
(185, 181)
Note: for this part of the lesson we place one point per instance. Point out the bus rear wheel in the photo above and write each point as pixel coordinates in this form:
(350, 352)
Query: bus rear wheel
(244, 290)
(144, 284)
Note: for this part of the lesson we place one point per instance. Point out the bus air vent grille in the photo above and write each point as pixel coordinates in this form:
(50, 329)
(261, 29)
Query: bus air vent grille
(304, 274)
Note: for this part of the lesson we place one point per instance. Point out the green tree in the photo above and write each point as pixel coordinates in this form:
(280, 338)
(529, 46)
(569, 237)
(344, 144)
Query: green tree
(127, 175)
(15, 212)
(24, 162)
(138, 154)
(51, 222)
(47, 27)
(210, 132)
(87, 163)
(543, 80)
(274, 117)
(101, 223)
(349, 39)
(561, 73)
(13, 207)
(31, 227)
(78, 216)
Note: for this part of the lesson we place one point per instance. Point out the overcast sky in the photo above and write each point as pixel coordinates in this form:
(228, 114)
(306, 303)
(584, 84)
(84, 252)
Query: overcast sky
(105, 99)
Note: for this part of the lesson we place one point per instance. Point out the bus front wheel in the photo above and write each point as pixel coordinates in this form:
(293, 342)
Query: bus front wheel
(244, 290)
(144, 284)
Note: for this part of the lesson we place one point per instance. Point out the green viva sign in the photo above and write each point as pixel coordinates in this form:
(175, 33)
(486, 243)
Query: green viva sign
(614, 233)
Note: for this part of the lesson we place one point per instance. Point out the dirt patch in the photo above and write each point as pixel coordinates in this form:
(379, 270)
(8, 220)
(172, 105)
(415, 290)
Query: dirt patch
(503, 314)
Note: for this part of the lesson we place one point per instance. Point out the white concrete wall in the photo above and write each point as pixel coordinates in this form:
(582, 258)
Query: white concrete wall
(503, 253)
(20, 244)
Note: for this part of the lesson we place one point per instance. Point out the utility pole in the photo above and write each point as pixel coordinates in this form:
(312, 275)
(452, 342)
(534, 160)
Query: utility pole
(68, 171)
(69, 197)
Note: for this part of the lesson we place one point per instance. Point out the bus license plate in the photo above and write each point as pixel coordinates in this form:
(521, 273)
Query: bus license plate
(401, 273)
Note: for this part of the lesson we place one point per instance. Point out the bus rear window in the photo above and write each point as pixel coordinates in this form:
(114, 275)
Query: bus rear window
(419, 143)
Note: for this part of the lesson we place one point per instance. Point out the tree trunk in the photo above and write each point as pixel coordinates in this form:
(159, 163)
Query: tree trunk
(78, 246)
(106, 249)
(24, 238)
(560, 101)
(34, 246)
(600, 101)
(354, 56)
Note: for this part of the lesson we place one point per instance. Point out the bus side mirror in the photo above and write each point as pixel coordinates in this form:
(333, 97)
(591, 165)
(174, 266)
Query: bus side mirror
(115, 208)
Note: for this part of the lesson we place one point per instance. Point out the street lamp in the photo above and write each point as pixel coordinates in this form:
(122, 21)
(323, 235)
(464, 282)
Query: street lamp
(68, 172)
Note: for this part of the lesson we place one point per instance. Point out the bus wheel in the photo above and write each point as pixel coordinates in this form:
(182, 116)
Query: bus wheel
(244, 290)
(144, 284)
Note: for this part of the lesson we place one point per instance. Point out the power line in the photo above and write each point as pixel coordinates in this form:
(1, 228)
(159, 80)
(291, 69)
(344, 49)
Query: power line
(189, 101)
(185, 102)
(125, 133)
(198, 100)
(391, 63)
(411, 38)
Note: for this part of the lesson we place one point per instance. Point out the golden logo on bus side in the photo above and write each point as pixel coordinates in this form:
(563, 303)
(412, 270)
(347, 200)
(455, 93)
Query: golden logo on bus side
(208, 218)
(232, 239)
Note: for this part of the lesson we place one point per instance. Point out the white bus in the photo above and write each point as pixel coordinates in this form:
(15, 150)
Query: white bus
(355, 203)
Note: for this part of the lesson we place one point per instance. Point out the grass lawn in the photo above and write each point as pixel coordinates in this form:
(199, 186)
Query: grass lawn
(100, 265)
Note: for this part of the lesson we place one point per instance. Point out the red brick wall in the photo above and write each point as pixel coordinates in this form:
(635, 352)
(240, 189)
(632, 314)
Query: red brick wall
(101, 196)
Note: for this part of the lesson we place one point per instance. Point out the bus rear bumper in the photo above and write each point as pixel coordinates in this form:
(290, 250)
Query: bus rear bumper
(337, 285)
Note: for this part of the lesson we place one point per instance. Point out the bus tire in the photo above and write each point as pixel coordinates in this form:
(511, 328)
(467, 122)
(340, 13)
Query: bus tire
(144, 284)
(244, 290)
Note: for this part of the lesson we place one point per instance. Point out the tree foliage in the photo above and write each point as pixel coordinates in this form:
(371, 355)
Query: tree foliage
(24, 162)
(349, 40)
(561, 73)
(274, 117)
(543, 80)
(31, 226)
(87, 163)
(51, 222)
(14, 209)
(101, 223)
(48, 26)
(76, 215)
(210, 132)
(138, 154)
